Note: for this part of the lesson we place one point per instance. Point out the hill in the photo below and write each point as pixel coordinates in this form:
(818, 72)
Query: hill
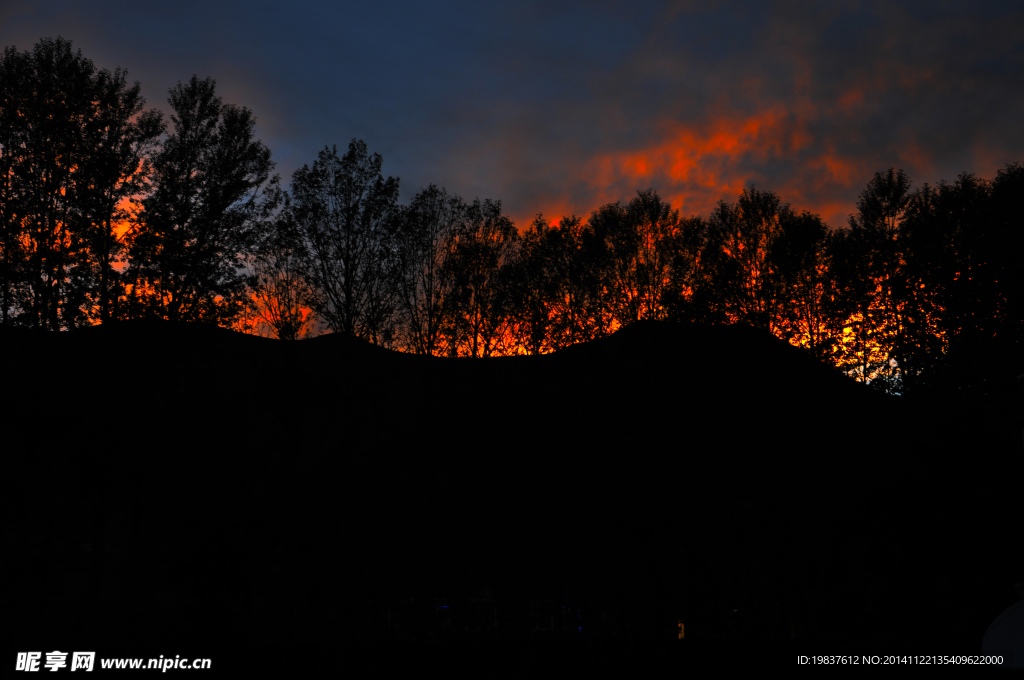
(250, 492)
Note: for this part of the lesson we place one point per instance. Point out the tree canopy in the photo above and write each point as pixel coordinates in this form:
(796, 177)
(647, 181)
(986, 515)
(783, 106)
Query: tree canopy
(106, 214)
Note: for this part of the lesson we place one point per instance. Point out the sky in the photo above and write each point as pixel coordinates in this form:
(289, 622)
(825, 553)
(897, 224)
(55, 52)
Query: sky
(560, 107)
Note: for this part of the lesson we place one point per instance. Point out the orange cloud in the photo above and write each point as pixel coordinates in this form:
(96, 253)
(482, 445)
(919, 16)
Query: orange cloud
(814, 152)
(851, 99)
(701, 163)
(693, 166)
(779, 148)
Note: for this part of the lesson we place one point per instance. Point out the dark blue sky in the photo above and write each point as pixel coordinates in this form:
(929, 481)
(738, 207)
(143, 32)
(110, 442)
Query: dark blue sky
(559, 107)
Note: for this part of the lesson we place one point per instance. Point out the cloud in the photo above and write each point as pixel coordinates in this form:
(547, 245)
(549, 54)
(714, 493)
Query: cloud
(559, 108)
(806, 101)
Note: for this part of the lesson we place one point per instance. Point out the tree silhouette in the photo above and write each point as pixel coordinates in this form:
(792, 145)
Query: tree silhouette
(15, 70)
(688, 291)
(530, 291)
(1001, 247)
(800, 254)
(655, 224)
(117, 170)
(74, 145)
(963, 320)
(348, 216)
(213, 191)
(920, 291)
(280, 293)
(860, 352)
(429, 227)
(573, 255)
(932, 243)
(557, 292)
(638, 243)
(745, 232)
(880, 212)
(481, 266)
(48, 102)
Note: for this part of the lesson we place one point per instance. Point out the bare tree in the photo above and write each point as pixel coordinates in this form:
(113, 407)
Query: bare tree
(348, 214)
(429, 228)
(280, 294)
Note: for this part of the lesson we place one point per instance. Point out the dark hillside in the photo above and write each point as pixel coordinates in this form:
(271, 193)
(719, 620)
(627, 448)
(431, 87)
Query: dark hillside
(326, 493)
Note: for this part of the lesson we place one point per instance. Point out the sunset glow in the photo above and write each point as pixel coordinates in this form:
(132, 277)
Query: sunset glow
(300, 262)
(697, 165)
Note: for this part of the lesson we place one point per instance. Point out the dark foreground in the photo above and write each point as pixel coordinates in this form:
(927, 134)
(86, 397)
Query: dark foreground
(330, 506)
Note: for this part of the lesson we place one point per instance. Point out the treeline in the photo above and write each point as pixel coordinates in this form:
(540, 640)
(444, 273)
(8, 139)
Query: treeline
(108, 213)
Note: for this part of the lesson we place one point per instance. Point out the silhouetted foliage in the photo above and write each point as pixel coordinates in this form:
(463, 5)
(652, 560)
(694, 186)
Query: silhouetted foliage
(688, 293)
(748, 281)
(557, 286)
(481, 266)
(429, 227)
(637, 248)
(55, 101)
(801, 256)
(75, 143)
(1001, 245)
(281, 296)
(348, 215)
(122, 138)
(919, 292)
(876, 227)
(15, 84)
(212, 194)
(532, 289)
(219, 533)
(964, 282)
